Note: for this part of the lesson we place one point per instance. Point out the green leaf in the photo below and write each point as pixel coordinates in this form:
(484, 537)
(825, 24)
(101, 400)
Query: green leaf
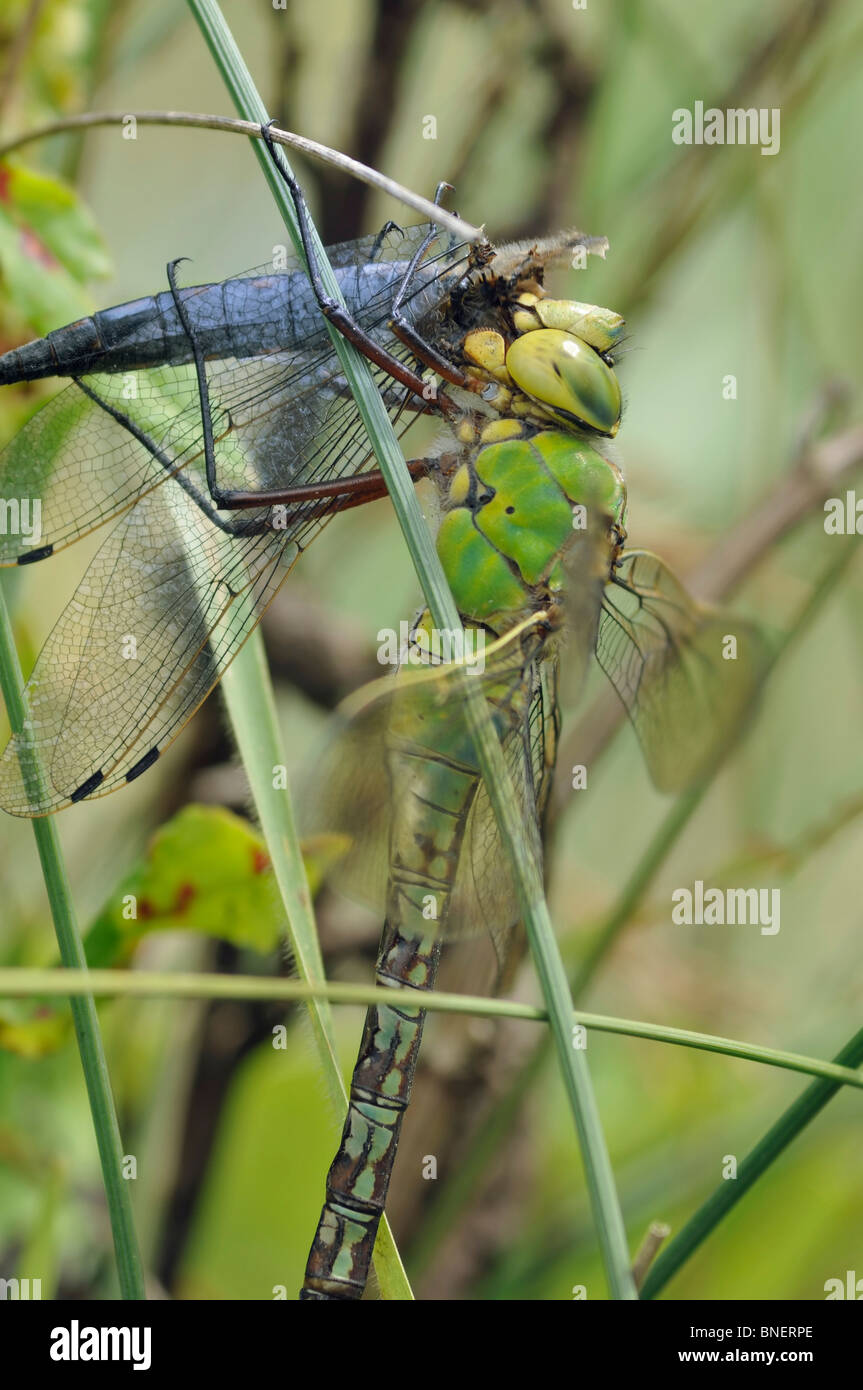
(206, 870)
(49, 247)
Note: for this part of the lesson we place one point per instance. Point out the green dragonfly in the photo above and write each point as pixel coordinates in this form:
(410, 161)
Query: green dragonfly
(532, 544)
(213, 426)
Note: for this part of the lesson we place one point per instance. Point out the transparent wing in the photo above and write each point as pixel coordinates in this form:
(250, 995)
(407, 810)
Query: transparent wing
(360, 789)
(484, 893)
(281, 417)
(586, 564)
(163, 608)
(687, 675)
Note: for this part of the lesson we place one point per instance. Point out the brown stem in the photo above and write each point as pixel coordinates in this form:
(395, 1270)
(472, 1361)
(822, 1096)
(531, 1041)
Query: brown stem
(227, 124)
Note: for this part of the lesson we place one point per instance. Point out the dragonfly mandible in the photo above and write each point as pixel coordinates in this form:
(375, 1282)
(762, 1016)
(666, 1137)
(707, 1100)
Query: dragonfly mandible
(214, 427)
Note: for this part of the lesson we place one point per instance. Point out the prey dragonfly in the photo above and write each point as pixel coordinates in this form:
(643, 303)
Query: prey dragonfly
(213, 424)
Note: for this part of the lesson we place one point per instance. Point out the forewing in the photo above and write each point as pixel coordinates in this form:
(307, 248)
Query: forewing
(687, 675)
(74, 466)
(163, 608)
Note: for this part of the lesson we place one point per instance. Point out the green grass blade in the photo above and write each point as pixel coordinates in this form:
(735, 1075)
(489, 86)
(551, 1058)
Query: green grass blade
(249, 698)
(754, 1165)
(20, 982)
(84, 1016)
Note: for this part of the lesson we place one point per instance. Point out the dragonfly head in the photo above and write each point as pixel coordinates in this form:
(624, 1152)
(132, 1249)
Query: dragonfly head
(567, 378)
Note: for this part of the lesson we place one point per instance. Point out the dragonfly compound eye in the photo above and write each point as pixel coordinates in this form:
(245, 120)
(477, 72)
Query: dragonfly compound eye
(567, 378)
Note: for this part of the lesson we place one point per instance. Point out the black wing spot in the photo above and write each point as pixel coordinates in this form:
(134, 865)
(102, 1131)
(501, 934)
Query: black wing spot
(142, 764)
(32, 556)
(87, 787)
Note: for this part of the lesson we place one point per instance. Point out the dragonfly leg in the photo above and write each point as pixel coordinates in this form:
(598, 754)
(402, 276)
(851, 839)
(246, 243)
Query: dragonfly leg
(400, 325)
(362, 488)
(389, 226)
(333, 311)
(340, 494)
(405, 331)
(225, 501)
(232, 528)
(421, 348)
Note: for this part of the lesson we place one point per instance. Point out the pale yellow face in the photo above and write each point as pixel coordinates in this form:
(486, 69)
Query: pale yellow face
(558, 363)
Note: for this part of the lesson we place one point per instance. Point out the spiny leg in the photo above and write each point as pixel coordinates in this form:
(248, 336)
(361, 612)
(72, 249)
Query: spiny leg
(341, 318)
(364, 487)
(405, 331)
(225, 501)
(201, 500)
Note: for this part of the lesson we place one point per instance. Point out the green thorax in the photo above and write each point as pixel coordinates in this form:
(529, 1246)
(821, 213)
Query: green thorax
(515, 504)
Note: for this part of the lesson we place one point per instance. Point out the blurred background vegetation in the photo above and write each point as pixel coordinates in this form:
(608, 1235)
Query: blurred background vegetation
(725, 262)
